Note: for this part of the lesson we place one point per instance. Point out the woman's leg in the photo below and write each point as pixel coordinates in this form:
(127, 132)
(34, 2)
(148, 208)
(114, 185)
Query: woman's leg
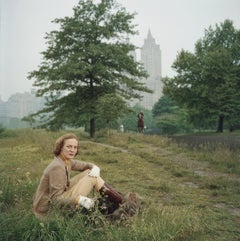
(83, 184)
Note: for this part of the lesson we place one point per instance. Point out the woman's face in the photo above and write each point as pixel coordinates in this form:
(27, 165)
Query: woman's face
(69, 148)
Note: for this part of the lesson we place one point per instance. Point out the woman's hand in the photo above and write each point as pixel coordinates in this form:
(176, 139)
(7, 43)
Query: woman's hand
(95, 171)
(86, 202)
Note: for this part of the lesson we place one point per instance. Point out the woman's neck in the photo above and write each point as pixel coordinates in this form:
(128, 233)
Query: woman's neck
(64, 158)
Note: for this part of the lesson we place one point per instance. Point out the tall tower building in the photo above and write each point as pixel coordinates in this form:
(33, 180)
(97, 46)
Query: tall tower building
(151, 59)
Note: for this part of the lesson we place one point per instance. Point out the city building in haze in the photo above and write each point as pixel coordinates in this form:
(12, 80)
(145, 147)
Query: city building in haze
(151, 59)
(18, 106)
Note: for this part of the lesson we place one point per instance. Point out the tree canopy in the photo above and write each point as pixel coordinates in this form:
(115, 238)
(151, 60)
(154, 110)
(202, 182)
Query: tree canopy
(169, 118)
(164, 105)
(88, 57)
(111, 107)
(208, 81)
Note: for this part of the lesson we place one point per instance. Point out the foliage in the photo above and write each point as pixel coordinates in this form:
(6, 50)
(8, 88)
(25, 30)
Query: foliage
(169, 118)
(130, 121)
(87, 58)
(4, 132)
(207, 81)
(172, 123)
(110, 107)
(2, 129)
(163, 106)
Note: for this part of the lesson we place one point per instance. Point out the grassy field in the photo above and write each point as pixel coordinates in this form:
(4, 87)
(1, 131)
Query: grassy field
(189, 194)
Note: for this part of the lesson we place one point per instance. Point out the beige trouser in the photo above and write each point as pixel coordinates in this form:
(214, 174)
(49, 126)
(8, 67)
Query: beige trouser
(82, 184)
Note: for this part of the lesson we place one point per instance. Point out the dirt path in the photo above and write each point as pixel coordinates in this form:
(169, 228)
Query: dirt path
(197, 167)
(105, 145)
(201, 169)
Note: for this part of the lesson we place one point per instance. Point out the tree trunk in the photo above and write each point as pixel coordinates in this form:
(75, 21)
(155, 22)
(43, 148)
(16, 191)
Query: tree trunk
(92, 127)
(108, 129)
(220, 123)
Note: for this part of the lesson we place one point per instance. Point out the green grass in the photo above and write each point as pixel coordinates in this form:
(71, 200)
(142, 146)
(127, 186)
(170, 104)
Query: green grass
(188, 194)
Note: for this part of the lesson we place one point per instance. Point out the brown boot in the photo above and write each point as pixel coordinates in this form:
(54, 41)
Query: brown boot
(113, 196)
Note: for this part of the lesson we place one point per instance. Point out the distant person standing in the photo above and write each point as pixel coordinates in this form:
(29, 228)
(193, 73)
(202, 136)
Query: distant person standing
(121, 128)
(140, 122)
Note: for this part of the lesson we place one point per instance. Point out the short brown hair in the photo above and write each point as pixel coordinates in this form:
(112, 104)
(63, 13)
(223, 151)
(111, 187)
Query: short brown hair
(60, 143)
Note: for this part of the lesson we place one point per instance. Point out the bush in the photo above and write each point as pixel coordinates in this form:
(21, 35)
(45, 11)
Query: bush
(5, 132)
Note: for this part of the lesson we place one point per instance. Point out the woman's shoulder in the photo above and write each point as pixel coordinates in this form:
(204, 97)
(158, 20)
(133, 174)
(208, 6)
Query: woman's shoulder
(55, 164)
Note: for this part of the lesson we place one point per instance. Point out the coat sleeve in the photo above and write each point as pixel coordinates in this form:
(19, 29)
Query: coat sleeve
(77, 165)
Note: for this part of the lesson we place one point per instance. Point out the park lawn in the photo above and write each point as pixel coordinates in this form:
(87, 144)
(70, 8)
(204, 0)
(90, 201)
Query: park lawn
(188, 194)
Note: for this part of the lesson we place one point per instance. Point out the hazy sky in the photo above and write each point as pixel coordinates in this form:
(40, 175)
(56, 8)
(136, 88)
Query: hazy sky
(175, 25)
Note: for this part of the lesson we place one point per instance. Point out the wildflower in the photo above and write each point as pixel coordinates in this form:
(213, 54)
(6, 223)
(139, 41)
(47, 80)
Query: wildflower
(41, 224)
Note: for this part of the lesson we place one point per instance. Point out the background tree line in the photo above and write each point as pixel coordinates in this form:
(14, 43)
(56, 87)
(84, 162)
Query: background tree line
(88, 74)
(207, 83)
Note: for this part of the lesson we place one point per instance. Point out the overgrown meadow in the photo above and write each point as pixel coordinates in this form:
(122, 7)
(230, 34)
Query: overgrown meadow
(189, 194)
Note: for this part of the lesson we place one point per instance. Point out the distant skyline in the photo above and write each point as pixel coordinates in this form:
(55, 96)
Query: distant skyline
(174, 25)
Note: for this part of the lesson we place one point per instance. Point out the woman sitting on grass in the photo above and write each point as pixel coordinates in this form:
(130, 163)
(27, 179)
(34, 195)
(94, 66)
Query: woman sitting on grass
(56, 187)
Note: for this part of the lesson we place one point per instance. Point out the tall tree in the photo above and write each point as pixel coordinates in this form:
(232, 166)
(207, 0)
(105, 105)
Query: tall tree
(87, 58)
(208, 81)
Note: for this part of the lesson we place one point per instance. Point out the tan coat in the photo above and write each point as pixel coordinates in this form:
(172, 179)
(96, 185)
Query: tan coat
(53, 184)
